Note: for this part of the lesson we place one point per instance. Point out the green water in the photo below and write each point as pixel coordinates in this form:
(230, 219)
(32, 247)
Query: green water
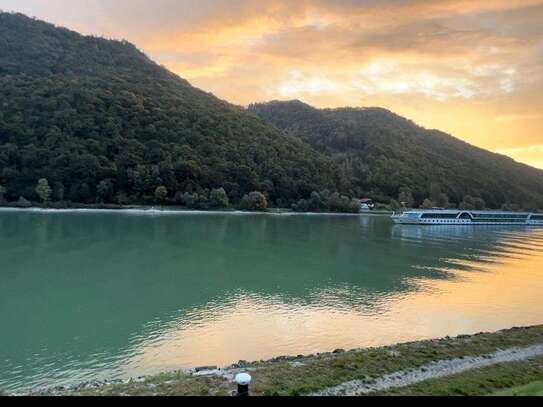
(94, 295)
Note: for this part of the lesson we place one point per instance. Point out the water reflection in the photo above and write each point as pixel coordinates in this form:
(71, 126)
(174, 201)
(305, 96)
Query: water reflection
(93, 295)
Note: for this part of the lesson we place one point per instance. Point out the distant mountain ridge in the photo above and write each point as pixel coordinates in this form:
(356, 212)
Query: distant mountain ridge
(382, 152)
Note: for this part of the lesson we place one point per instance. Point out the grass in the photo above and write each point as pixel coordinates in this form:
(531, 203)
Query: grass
(501, 379)
(530, 389)
(283, 377)
(168, 384)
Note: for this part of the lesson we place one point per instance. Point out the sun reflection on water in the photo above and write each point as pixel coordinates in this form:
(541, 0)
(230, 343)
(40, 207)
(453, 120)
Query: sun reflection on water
(500, 294)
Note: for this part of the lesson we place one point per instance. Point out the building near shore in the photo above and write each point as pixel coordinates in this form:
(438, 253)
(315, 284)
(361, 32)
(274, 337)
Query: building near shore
(367, 204)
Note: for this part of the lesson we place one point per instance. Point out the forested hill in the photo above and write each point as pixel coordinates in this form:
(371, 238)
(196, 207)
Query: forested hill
(385, 153)
(101, 122)
(89, 120)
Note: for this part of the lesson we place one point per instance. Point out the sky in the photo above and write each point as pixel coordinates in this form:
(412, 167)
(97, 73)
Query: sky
(471, 68)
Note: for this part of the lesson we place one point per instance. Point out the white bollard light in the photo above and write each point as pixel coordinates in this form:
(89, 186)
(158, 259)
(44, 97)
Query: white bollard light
(243, 380)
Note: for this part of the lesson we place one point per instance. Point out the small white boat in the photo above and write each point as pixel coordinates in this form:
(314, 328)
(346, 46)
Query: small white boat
(460, 217)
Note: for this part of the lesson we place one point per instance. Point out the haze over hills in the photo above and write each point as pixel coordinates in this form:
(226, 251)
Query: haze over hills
(382, 152)
(103, 123)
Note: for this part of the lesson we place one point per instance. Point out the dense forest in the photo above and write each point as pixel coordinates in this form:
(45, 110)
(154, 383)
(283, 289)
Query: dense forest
(97, 121)
(93, 121)
(391, 159)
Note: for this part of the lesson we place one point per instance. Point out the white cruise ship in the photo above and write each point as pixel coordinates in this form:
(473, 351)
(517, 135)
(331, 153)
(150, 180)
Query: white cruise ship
(460, 217)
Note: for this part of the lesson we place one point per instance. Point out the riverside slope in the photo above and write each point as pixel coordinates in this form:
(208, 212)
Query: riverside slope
(494, 361)
(382, 152)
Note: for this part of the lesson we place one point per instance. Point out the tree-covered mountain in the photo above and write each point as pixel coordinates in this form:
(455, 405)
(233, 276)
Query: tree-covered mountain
(383, 155)
(89, 120)
(101, 122)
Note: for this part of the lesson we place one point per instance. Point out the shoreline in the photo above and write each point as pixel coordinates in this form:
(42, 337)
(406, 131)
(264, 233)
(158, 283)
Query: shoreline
(362, 370)
(165, 210)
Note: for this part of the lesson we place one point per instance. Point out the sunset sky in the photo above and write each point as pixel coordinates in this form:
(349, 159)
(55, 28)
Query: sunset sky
(473, 69)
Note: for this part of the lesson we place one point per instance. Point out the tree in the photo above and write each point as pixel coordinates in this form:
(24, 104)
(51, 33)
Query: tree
(44, 190)
(301, 206)
(23, 203)
(3, 191)
(160, 194)
(395, 205)
(315, 202)
(105, 190)
(406, 197)
(479, 204)
(334, 202)
(122, 199)
(79, 192)
(427, 204)
(511, 207)
(189, 200)
(468, 203)
(218, 199)
(84, 192)
(437, 196)
(443, 201)
(435, 192)
(255, 201)
(58, 191)
(354, 206)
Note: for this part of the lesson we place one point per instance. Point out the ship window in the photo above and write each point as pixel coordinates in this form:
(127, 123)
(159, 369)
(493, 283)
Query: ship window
(439, 216)
(496, 217)
(537, 217)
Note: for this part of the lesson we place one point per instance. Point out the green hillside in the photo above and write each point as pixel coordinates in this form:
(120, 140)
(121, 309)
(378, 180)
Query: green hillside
(382, 152)
(103, 123)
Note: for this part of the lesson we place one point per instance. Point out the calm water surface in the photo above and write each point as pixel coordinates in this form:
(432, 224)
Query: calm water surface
(113, 295)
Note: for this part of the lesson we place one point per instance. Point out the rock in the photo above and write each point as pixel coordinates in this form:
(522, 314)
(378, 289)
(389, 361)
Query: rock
(338, 351)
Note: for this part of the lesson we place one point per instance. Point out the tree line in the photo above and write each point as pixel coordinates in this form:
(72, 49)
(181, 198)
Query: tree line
(438, 199)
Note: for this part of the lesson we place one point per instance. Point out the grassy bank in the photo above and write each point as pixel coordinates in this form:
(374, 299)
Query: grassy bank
(305, 374)
(530, 389)
(505, 379)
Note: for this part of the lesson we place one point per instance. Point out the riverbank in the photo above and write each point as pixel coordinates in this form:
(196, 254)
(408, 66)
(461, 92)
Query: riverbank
(482, 364)
(175, 209)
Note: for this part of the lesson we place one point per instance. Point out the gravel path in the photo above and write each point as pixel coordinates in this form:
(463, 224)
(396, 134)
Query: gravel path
(434, 370)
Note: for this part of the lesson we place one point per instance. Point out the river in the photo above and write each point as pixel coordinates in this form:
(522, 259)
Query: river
(90, 295)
